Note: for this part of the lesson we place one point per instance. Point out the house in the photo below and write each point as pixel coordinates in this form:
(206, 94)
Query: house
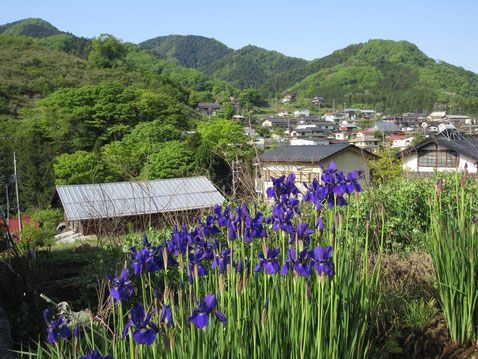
(113, 207)
(458, 119)
(274, 122)
(436, 115)
(209, 109)
(386, 128)
(367, 114)
(288, 98)
(399, 141)
(302, 113)
(343, 135)
(446, 151)
(304, 162)
(328, 116)
(317, 100)
(366, 140)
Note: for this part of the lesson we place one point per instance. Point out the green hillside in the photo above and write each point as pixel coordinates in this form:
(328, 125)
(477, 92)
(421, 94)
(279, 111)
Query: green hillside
(30, 27)
(248, 67)
(195, 52)
(251, 66)
(394, 76)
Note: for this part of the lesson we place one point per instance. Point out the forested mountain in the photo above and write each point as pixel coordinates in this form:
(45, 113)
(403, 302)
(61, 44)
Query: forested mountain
(30, 27)
(195, 52)
(251, 66)
(247, 67)
(394, 76)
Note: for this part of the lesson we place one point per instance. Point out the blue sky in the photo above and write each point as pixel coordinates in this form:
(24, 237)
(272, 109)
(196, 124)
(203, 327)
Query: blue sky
(445, 30)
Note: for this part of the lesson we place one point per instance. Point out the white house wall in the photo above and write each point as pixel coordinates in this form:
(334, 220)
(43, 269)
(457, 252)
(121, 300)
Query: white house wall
(411, 164)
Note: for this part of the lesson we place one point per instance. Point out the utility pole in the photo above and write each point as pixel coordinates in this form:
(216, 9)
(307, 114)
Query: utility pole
(15, 175)
(8, 204)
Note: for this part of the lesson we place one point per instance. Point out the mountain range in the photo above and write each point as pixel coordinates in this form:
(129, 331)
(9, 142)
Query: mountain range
(384, 74)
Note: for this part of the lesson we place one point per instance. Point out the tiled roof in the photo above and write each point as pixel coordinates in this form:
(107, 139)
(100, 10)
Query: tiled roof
(304, 153)
(463, 144)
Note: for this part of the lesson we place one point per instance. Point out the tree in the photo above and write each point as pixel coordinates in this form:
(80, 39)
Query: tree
(171, 160)
(249, 98)
(279, 131)
(106, 51)
(225, 137)
(228, 110)
(386, 167)
(264, 132)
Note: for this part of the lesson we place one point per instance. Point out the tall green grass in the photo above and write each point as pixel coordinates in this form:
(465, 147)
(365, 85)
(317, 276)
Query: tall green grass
(454, 250)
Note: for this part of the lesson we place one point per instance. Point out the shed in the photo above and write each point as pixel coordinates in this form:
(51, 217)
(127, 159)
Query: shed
(95, 208)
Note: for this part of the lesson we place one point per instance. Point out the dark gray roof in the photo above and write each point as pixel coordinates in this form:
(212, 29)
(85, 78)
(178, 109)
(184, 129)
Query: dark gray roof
(104, 200)
(462, 144)
(209, 105)
(385, 127)
(304, 153)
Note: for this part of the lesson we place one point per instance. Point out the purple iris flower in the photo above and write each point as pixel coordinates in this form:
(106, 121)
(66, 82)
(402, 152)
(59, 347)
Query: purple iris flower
(208, 229)
(320, 224)
(145, 259)
(121, 288)
(179, 241)
(222, 218)
(298, 264)
(282, 188)
(196, 266)
(200, 315)
(302, 234)
(222, 260)
(140, 322)
(281, 219)
(352, 184)
(254, 228)
(95, 355)
(240, 267)
(56, 327)
(167, 316)
(269, 262)
(321, 259)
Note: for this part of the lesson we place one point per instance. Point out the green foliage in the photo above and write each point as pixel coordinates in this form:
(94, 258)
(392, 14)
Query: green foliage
(228, 110)
(279, 131)
(264, 132)
(417, 139)
(454, 249)
(29, 27)
(417, 314)
(76, 46)
(386, 166)
(106, 52)
(82, 167)
(249, 97)
(190, 51)
(225, 138)
(33, 237)
(170, 160)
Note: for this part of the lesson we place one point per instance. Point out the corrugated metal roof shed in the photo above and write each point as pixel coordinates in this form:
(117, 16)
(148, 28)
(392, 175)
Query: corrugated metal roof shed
(105, 200)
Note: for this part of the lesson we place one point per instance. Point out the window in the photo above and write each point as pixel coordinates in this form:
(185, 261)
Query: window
(437, 159)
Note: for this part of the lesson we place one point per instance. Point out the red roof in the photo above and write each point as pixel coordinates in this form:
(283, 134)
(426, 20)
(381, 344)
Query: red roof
(329, 113)
(367, 131)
